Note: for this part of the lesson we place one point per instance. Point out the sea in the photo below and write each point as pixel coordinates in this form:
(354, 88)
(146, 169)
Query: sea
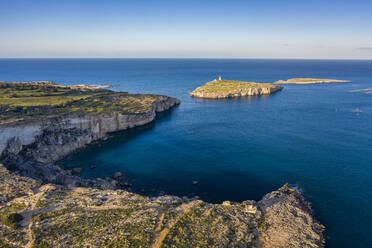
(316, 137)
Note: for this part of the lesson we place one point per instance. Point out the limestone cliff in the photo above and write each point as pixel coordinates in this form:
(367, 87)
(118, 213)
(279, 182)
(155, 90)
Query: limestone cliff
(219, 89)
(42, 205)
(42, 122)
(55, 137)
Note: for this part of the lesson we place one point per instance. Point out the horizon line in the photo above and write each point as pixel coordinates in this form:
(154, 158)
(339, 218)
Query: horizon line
(210, 58)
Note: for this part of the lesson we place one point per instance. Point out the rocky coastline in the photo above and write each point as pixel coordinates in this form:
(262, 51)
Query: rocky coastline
(43, 205)
(310, 81)
(32, 146)
(34, 214)
(222, 89)
(33, 149)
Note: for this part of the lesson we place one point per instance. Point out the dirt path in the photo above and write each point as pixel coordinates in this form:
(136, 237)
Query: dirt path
(160, 231)
(27, 215)
(160, 236)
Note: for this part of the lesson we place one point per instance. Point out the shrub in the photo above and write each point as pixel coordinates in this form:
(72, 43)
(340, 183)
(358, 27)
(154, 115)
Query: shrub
(11, 220)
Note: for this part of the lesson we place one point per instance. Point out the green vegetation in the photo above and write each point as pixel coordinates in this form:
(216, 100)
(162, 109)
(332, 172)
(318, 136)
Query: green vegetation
(73, 218)
(41, 203)
(201, 227)
(108, 228)
(9, 215)
(47, 215)
(11, 219)
(31, 100)
(262, 224)
(15, 207)
(3, 244)
(11, 188)
(222, 86)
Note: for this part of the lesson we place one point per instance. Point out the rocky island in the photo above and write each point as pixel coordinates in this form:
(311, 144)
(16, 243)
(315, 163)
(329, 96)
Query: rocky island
(310, 81)
(218, 89)
(364, 91)
(43, 205)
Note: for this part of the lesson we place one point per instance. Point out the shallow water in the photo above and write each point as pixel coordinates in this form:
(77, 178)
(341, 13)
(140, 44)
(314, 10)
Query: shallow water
(239, 149)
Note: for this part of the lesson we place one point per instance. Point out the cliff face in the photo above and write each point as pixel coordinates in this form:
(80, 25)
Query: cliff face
(42, 205)
(32, 146)
(236, 93)
(48, 121)
(53, 138)
(36, 215)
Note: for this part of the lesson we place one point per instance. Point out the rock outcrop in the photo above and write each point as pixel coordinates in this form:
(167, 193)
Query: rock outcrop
(33, 135)
(48, 140)
(299, 228)
(43, 205)
(219, 89)
(367, 91)
(309, 81)
(55, 216)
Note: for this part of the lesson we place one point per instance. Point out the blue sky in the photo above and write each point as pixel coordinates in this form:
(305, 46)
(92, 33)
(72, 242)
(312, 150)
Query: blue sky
(186, 29)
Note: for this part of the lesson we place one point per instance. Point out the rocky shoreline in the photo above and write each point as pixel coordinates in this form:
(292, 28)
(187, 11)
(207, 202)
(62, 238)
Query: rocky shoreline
(43, 205)
(32, 146)
(31, 149)
(310, 81)
(222, 89)
(34, 214)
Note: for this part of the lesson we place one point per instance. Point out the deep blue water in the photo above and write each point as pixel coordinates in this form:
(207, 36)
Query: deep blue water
(240, 149)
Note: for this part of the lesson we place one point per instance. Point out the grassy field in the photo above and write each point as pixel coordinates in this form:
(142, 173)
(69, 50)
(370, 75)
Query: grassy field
(222, 86)
(20, 101)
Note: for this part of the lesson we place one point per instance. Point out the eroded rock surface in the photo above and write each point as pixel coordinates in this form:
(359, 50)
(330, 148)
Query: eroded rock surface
(219, 89)
(299, 228)
(42, 122)
(56, 216)
(42, 205)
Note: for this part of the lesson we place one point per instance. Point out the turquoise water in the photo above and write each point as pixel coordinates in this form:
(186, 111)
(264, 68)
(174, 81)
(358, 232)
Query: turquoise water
(239, 149)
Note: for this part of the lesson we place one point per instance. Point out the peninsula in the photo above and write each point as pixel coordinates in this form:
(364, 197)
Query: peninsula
(43, 205)
(43, 122)
(310, 81)
(218, 89)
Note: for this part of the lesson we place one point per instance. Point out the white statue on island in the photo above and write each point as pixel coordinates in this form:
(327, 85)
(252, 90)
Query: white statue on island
(219, 79)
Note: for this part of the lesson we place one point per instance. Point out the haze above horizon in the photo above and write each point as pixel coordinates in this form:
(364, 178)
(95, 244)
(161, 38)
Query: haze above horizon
(193, 29)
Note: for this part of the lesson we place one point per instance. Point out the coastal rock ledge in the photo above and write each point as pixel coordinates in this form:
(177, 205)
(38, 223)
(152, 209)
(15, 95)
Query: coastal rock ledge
(48, 215)
(42, 122)
(43, 205)
(310, 81)
(219, 89)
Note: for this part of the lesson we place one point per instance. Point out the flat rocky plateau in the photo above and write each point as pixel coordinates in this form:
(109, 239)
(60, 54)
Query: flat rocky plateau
(34, 214)
(219, 89)
(43, 205)
(310, 81)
